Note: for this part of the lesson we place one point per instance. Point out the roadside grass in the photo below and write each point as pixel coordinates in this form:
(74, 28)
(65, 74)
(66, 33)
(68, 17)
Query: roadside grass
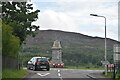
(93, 68)
(118, 76)
(110, 75)
(79, 67)
(0, 74)
(17, 74)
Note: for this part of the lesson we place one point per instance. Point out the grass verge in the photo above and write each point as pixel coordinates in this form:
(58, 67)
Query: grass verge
(110, 75)
(8, 73)
(89, 68)
(71, 67)
(118, 75)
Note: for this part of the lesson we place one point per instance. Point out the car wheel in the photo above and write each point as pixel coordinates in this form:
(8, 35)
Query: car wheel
(34, 68)
(48, 69)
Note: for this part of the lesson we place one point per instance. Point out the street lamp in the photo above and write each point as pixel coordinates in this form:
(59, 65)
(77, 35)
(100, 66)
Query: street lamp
(105, 42)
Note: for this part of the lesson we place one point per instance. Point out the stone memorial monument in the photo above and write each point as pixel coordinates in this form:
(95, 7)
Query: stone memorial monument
(56, 53)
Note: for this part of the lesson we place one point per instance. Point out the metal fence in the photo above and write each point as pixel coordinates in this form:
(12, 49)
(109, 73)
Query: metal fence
(10, 63)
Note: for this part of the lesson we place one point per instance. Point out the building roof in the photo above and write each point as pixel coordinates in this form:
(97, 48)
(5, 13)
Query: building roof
(56, 45)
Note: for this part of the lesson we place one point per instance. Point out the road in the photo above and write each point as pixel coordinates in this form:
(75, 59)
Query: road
(63, 74)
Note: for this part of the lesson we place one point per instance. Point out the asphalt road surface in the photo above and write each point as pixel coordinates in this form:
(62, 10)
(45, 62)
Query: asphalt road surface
(63, 74)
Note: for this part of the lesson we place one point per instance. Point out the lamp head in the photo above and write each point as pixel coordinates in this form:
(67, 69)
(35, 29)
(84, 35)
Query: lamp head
(93, 15)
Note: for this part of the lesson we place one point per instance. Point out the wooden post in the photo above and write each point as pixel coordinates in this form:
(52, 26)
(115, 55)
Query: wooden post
(107, 68)
(114, 73)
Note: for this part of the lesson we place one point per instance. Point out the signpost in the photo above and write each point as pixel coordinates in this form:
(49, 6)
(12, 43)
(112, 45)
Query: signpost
(116, 57)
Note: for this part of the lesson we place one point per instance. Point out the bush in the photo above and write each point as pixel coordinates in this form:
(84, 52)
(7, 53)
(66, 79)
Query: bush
(11, 43)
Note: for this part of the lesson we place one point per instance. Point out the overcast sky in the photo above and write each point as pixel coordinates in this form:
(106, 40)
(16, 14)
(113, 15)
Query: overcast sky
(74, 16)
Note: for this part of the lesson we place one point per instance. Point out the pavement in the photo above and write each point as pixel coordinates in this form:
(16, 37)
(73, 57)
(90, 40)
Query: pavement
(65, 74)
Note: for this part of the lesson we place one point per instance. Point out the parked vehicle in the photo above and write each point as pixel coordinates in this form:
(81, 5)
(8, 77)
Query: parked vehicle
(57, 64)
(38, 63)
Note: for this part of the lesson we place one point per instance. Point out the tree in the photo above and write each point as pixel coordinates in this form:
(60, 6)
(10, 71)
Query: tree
(10, 43)
(20, 16)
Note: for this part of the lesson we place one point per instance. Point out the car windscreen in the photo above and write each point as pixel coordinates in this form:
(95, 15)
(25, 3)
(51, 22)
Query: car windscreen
(42, 60)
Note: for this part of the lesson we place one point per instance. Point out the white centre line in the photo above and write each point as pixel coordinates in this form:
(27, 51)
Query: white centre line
(61, 78)
(58, 70)
(59, 74)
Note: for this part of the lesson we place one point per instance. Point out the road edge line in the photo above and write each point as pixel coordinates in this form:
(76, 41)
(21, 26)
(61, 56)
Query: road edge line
(92, 77)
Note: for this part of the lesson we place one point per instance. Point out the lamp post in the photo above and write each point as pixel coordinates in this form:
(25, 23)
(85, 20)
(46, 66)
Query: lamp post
(105, 56)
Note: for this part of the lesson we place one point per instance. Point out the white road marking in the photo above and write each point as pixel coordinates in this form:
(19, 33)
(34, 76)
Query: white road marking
(91, 76)
(61, 78)
(58, 70)
(59, 74)
(43, 74)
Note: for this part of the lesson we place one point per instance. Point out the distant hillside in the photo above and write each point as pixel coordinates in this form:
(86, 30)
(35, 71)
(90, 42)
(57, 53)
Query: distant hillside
(76, 48)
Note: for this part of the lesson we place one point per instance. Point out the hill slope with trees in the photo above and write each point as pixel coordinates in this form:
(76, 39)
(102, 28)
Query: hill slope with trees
(77, 49)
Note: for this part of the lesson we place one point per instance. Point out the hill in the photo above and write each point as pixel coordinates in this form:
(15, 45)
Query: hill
(77, 49)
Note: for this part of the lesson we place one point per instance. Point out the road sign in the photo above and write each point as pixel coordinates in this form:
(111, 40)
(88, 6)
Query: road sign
(110, 65)
(105, 62)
